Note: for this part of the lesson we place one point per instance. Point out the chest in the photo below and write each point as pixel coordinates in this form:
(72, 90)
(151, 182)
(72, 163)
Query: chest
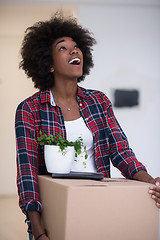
(51, 119)
(70, 113)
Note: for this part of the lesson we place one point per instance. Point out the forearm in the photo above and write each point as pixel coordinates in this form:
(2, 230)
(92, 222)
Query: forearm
(36, 225)
(143, 176)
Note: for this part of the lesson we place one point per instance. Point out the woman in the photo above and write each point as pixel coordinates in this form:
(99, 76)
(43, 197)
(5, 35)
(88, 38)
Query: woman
(56, 54)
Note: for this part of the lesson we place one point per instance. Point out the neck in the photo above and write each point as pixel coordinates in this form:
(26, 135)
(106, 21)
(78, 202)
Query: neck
(65, 90)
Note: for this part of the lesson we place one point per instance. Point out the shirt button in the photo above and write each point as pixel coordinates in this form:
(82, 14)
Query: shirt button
(80, 104)
(86, 119)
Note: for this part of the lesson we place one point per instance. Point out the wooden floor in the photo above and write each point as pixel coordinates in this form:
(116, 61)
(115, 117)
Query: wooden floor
(12, 225)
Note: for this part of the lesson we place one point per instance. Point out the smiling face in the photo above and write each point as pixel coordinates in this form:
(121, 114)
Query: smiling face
(67, 59)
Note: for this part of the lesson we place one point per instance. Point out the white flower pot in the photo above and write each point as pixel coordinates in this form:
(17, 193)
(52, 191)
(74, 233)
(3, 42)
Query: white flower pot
(56, 161)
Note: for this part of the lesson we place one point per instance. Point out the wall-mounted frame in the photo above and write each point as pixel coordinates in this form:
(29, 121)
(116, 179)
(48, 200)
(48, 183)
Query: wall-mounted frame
(126, 98)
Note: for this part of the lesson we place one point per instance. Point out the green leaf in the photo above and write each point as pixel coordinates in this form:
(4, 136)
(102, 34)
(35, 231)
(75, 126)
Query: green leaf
(62, 143)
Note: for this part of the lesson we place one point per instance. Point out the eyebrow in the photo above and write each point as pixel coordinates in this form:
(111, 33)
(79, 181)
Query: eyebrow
(62, 41)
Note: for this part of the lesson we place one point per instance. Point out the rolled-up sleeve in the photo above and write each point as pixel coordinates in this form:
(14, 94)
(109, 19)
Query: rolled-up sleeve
(27, 159)
(121, 154)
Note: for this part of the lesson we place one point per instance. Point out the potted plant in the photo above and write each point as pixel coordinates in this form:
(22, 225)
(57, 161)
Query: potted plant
(59, 153)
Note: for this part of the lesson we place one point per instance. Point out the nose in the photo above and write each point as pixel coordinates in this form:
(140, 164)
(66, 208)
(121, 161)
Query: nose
(73, 51)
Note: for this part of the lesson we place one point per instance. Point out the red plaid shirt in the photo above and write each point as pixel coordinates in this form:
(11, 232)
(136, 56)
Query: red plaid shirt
(36, 112)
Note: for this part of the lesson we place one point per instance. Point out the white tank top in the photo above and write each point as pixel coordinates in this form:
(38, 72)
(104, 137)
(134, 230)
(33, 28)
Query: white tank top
(77, 128)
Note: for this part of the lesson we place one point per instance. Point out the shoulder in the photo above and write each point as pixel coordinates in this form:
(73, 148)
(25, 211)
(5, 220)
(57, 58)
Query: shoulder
(96, 96)
(29, 103)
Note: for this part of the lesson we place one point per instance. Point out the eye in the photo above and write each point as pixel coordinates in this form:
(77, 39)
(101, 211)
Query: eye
(76, 46)
(62, 48)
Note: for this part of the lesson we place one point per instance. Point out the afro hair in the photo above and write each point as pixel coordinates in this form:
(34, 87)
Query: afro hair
(36, 50)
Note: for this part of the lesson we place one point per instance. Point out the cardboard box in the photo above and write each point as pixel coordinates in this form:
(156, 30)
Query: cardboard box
(111, 209)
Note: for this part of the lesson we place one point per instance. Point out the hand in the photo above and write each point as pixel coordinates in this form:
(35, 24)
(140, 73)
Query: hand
(155, 190)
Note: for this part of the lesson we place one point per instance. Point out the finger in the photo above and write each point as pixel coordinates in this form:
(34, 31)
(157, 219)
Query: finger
(156, 180)
(156, 194)
(157, 183)
(158, 205)
(155, 187)
(156, 199)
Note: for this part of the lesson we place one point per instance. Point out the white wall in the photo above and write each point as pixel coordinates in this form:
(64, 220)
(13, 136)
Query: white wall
(128, 56)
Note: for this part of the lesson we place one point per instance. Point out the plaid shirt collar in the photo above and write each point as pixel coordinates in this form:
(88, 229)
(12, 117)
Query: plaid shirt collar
(46, 96)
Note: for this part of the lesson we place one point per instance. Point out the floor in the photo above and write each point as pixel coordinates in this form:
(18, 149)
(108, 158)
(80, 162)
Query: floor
(12, 226)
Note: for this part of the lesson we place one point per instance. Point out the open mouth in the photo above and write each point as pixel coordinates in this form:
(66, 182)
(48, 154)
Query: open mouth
(75, 61)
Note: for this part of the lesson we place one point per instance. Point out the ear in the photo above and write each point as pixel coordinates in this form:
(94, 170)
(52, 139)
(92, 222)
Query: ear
(52, 69)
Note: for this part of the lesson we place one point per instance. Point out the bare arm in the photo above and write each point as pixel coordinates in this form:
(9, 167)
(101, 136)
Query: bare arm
(143, 176)
(37, 228)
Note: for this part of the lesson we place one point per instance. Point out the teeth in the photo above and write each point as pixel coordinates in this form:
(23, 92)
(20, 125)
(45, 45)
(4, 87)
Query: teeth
(74, 59)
